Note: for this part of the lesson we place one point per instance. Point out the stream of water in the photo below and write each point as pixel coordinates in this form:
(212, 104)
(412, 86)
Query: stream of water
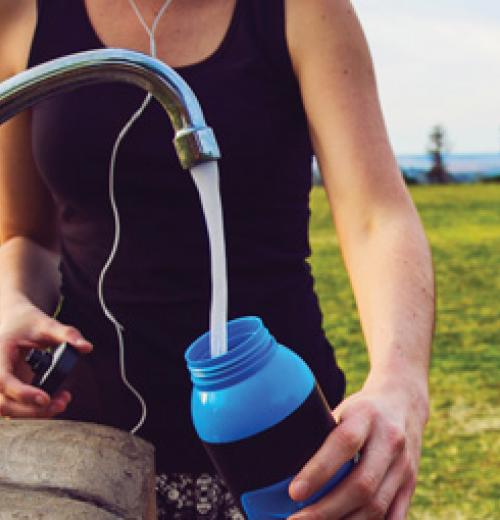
(206, 179)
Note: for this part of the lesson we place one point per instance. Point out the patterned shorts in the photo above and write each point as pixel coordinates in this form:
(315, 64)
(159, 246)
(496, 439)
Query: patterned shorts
(184, 496)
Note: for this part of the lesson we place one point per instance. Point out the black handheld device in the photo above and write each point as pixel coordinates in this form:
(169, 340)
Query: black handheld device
(52, 368)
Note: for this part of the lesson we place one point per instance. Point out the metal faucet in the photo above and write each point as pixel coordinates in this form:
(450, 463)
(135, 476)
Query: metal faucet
(194, 141)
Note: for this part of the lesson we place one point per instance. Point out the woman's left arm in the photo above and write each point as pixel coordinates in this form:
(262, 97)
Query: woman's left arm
(389, 264)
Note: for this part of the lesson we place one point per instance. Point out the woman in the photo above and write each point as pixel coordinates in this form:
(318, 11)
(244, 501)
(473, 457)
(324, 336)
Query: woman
(277, 80)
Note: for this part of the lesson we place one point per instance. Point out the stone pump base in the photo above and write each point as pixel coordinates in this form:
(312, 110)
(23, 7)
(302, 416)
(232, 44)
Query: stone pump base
(61, 470)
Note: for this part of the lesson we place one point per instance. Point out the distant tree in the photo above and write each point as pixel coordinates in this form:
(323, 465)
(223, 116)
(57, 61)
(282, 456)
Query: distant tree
(438, 141)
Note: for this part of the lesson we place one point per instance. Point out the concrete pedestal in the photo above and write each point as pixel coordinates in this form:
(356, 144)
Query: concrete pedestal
(61, 470)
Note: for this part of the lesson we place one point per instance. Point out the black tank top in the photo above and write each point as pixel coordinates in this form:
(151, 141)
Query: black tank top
(159, 284)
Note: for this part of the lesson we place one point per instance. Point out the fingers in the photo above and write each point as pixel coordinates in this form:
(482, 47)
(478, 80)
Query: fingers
(340, 446)
(360, 489)
(34, 329)
(401, 503)
(32, 326)
(13, 389)
(394, 482)
(52, 332)
(13, 409)
(59, 403)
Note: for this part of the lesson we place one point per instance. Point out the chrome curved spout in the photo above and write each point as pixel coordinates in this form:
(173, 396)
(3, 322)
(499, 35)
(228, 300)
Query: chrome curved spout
(194, 142)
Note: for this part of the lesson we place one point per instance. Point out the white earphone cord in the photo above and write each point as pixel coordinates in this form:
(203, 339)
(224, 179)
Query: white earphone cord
(123, 132)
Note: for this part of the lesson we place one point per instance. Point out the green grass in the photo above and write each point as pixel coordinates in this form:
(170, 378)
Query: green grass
(460, 468)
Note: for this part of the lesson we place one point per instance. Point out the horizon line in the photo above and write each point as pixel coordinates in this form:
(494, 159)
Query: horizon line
(452, 152)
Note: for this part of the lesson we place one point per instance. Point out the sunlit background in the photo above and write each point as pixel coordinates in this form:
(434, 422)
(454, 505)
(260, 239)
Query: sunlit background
(437, 62)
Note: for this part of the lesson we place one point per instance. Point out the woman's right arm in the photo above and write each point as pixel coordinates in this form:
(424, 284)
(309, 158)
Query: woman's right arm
(29, 274)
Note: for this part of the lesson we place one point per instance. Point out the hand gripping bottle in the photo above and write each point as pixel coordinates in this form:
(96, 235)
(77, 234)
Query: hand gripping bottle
(261, 416)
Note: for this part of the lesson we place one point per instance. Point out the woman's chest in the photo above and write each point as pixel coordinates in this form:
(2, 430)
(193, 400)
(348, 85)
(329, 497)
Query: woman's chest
(74, 134)
(187, 32)
(253, 107)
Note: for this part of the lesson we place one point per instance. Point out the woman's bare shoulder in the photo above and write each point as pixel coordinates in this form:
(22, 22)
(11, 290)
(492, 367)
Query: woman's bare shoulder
(330, 25)
(17, 25)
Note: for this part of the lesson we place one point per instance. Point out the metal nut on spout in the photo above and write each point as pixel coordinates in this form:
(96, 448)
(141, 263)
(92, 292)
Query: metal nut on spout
(195, 146)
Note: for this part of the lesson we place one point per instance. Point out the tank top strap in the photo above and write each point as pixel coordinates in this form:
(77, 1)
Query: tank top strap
(268, 18)
(33, 58)
(39, 5)
(62, 28)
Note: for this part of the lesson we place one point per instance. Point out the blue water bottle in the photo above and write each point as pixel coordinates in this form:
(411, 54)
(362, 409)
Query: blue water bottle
(261, 416)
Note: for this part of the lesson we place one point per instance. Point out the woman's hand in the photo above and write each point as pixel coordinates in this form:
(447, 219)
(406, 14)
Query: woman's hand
(384, 422)
(23, 328)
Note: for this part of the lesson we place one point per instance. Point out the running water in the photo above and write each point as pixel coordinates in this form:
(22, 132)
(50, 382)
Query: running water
(206, 179)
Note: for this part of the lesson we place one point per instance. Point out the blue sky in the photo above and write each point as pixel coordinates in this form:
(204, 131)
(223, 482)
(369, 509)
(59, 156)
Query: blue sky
(437, 61)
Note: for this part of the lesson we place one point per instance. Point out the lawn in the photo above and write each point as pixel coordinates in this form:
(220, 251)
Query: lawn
(460, 469)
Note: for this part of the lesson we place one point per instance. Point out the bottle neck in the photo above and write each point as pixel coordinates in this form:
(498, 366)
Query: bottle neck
(250, 345)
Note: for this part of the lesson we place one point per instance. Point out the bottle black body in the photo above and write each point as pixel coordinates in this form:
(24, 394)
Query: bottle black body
(261, 416)
(277, 452)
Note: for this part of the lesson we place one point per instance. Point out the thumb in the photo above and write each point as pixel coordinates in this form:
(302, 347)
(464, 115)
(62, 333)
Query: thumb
(341, 408)
(53, 332)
